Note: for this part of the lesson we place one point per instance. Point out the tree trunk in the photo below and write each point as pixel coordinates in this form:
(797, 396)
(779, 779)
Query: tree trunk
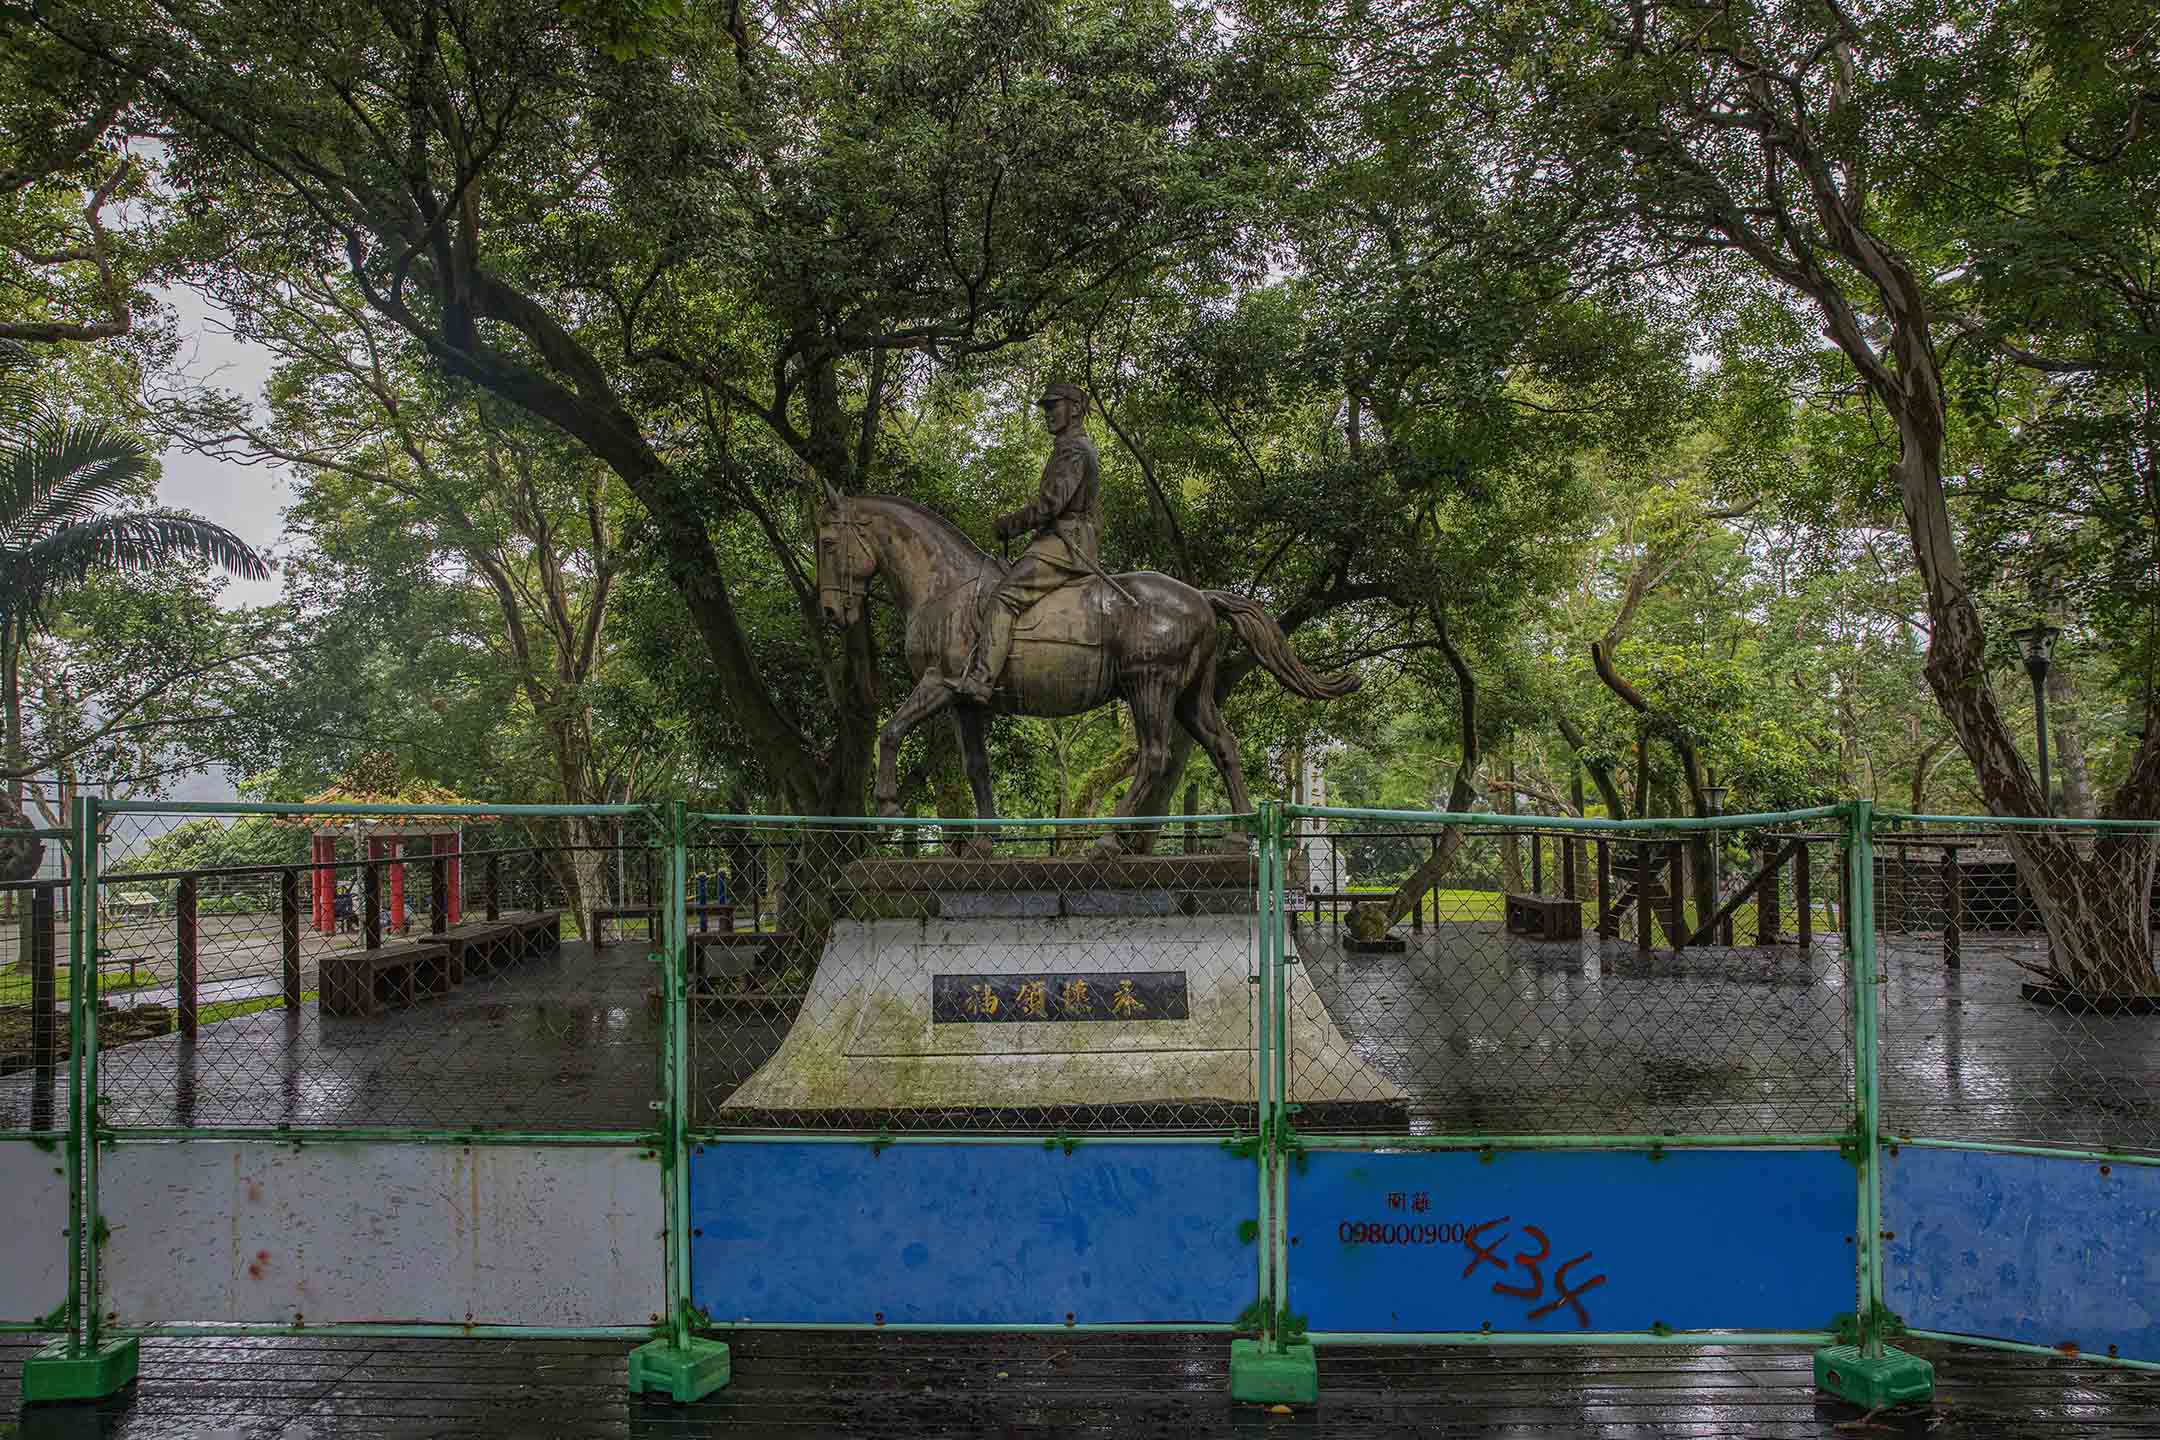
(1923, 768)
(1616, 807)
(1510, 846)
(11, 692)
(1370, 919)
(2094, 896)
(582, 875)
(2066, 738)
(2096, 907)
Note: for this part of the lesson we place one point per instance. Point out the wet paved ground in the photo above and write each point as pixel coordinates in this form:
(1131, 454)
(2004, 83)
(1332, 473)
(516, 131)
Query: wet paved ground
(1490, 1033)
(791, 1386)
(1485, 1032)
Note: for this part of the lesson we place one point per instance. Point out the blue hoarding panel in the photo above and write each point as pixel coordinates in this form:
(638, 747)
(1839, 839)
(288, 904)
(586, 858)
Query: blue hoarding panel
(1572, 1240)
(971, 1234)
(2024, 1247)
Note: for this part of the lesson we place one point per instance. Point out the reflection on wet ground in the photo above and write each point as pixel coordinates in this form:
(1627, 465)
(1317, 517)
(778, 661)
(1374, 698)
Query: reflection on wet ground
(1485, 1032)
(1165, 1387)
(1490, 1033)
(569, 1041)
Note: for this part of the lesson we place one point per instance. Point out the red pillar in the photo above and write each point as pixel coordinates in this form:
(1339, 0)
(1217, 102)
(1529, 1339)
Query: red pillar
(397, 884)
(457, 847)
(323, 885)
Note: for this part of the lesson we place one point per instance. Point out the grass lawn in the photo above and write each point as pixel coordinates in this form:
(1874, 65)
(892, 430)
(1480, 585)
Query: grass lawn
(15, 983)
(235, 1009)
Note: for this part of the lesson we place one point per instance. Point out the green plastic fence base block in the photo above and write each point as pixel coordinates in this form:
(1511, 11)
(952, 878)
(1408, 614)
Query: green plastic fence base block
(683, 1375)
(56, 1374)
(1289, 1376)
(1871, 1382)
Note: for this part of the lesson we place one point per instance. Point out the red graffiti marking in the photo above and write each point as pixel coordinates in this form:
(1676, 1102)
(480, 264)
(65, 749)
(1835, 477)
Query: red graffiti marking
(1567, 1297)
(1480, 1254)
(1529, 1261)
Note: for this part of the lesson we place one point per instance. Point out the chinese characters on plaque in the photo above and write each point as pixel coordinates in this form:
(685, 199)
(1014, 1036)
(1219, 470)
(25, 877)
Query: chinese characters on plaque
(1065, 995)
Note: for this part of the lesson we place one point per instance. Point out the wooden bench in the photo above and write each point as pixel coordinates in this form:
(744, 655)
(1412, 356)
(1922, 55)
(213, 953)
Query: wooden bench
(368, 982)
(539, 932)
(483, 945)
(1544, 917)
(650, 914)
(737, 949)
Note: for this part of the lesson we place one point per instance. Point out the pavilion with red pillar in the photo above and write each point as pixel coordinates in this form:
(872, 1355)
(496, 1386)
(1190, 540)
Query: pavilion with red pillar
(389, 838)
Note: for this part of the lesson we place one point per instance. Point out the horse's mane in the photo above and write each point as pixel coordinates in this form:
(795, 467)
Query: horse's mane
(899, 502)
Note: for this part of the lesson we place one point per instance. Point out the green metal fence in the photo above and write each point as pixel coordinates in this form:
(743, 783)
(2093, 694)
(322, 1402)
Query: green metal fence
(1378, 989)
(2017, 1078)
(40, 1051)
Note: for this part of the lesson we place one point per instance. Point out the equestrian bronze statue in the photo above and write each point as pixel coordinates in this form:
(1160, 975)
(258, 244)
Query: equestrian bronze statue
(1051, 634)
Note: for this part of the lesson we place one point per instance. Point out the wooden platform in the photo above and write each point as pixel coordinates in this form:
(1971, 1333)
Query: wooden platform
(1107, 1387)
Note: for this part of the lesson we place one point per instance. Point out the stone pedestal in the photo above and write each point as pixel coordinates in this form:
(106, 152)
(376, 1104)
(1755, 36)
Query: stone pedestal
(1020, 984)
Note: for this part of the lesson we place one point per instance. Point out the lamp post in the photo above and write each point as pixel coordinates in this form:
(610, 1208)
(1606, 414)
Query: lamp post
(2038, 643)
(1714, 798)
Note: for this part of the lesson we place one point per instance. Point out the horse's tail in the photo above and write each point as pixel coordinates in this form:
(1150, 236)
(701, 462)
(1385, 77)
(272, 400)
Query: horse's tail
(1258, 629)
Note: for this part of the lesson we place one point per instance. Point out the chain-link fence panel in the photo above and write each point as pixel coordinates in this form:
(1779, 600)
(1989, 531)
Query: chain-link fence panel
(912, 976)
(2021, 1002)
(1476, 978)
(374, 969)
(37, 977)
(37, 1191)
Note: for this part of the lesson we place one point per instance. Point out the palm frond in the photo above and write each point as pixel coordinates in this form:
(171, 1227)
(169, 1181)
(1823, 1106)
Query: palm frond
(62, 473)
(137, 540)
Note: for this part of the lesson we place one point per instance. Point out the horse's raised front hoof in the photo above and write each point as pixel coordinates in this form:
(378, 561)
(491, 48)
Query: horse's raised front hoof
(1109, 846)
(977, 848)
(888, 810)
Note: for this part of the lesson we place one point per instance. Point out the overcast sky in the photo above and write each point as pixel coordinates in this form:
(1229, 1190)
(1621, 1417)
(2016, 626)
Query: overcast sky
(248, 500)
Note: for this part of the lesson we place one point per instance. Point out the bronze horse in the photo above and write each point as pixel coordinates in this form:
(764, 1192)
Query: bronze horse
(1149, 640)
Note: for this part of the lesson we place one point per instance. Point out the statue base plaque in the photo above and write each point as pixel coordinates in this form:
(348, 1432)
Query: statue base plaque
(1022, 984)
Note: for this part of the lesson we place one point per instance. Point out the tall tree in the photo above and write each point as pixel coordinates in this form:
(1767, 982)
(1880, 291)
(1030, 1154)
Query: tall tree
(762, 217)
(59, 478)
(1905, 174)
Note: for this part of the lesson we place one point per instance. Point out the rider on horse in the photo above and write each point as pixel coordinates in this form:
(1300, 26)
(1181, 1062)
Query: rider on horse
(1066, 515)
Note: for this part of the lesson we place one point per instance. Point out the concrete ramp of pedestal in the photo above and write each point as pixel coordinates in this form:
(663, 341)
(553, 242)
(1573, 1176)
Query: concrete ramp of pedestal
(893, 1019)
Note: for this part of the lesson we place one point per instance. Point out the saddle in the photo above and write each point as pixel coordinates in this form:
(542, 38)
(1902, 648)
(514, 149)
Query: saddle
(1070, 615)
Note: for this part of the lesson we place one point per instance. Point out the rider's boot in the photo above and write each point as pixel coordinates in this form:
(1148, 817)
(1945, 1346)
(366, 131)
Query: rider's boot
(993, 639)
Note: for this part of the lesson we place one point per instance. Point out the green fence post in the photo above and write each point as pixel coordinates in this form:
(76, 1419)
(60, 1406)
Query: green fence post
(81, 1366)
(1270, 1370)
(679, 1365)
(1869, 1374)
(81, 957)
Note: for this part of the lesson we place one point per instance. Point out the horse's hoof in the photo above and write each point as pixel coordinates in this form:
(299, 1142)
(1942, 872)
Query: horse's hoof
(978, 849)
(1108, 846)
(889, 810)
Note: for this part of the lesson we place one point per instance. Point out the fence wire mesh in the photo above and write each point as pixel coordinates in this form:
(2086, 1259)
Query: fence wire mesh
(2021, 1003)
(374, 970)
(37, 977)
(899, 976)
(1469, 979)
